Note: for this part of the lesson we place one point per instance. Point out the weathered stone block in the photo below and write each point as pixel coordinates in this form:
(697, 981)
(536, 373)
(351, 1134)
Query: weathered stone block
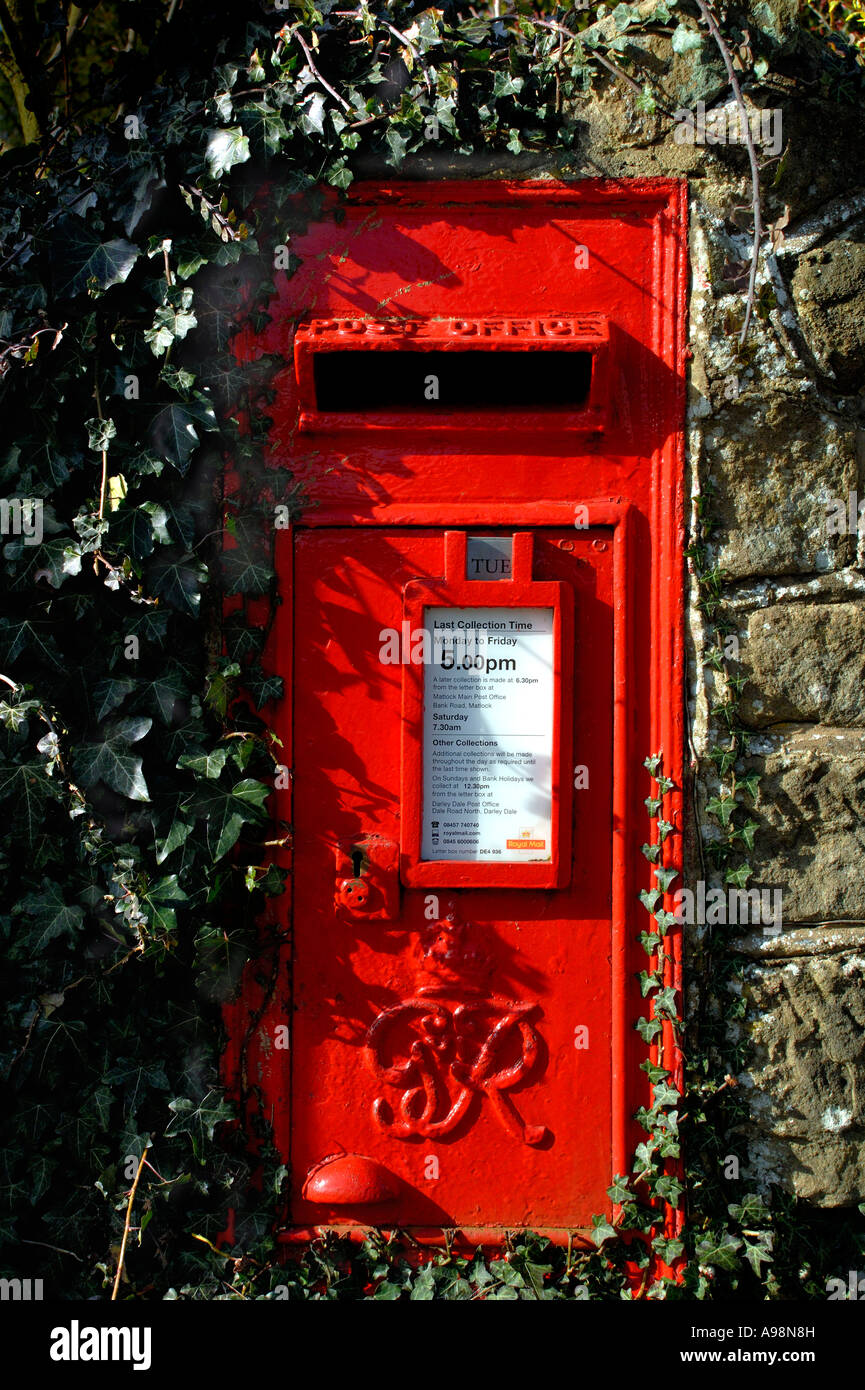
(811, 807)
(805, 661)
(806, 1087)
(829, 294)
(779, 464)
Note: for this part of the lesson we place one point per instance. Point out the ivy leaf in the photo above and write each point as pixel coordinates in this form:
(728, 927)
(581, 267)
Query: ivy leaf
(644, 1156)
(133, 529)
(387, 1291)
(504, 85)
(722, 808)
(668, 1248)
(14, 717)
(312, 115)
(110, 761)
(619, 1191)
(602, 1230)
(423, 1288)
(108, 694)
(220, 687)
(227, 811)
(265, 125)
(31, 789)
(99, 433)
(685, 40)
(207, 765)
(246, 572)
(173, 434)
(41, 1171)
(84, 259)
(170, 322)
(666, 921)
(178, 581)
(19, 636)
(396, 143)
(738, 876)
(52, 916)
(198, 1120)
(719, 1250)
(263, 688)
(653, 1072)
(648, 1028)
(178, 833)
(665, 1094)
(225, 148)
(162, 693)
(668, 1187)
(750, 1211)
(758, 1250)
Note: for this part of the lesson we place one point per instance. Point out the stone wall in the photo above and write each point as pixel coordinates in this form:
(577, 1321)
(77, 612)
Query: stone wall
(777, 437)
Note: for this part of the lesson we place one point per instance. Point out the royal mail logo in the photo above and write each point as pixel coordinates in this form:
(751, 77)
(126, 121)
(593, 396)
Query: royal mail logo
(525, 844)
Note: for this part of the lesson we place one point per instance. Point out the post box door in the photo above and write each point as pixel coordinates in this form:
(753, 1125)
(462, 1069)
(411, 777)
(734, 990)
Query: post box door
(452, 1039)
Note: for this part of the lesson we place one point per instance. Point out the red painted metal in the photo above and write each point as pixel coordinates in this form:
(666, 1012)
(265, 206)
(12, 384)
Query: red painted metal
(437, 1075)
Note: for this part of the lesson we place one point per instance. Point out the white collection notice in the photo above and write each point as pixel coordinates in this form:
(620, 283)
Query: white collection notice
(488, 735)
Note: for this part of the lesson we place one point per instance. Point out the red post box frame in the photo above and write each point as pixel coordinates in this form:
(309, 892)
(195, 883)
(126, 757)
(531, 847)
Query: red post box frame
(455, 591)
(646, 521)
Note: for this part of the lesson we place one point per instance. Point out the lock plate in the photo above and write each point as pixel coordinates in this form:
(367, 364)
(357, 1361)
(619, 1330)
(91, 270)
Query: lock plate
(367, 878)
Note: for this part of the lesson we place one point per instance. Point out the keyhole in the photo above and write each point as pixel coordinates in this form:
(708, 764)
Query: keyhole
(357, 862)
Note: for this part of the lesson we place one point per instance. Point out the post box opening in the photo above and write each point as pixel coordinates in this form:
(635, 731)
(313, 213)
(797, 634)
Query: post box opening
(469, 379)
(473, 374)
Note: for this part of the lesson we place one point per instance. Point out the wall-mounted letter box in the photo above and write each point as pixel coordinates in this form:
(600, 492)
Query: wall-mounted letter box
(480, 635)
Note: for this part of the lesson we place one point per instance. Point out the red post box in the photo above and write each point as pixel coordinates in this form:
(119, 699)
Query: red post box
(481, 630)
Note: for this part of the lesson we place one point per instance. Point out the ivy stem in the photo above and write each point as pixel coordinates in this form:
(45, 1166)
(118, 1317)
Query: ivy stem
(315, 72)
(104, 465)
(122, 1254)
(712, 23)
(600, 57)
